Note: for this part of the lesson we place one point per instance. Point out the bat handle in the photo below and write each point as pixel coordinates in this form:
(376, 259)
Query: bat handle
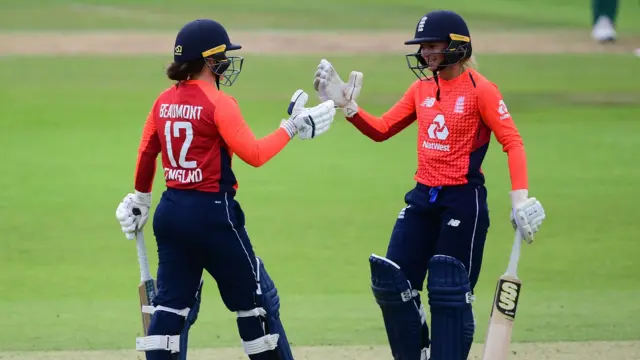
(512, 268)
(143, 261)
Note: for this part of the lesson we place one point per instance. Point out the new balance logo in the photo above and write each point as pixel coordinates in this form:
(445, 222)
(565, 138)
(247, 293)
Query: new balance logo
(453, 223)
(428, 102)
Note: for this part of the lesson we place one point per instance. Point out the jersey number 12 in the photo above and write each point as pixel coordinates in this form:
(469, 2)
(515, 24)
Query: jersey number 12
(177, 126)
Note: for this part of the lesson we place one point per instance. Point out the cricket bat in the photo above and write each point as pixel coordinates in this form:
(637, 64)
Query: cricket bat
(505, 305)
(147, 287)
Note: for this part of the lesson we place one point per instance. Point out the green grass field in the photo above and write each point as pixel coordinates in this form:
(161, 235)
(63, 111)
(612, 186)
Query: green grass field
(256, 14)
(71, 128)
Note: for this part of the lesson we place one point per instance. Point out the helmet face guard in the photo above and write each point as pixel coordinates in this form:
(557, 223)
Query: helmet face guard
(458, 49)
(226, 68)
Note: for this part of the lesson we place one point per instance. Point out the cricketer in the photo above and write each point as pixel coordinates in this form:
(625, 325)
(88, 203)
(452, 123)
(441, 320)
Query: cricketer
(198, 224)
(442, 229)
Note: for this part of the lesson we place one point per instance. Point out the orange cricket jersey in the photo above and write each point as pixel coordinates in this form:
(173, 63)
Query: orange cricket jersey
(198, 128)
(453, 133)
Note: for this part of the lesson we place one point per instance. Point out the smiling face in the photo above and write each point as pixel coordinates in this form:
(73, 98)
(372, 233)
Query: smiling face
(431, 52)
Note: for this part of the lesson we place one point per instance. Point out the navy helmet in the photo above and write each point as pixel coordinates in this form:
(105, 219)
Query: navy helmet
(208, 39)
(440, 25)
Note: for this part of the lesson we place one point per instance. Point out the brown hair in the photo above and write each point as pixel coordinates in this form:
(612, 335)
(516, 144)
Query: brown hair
(180, 71)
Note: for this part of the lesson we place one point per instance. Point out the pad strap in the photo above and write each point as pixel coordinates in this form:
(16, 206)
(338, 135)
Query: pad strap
(252, 313)
(261, 344)
(152, 309)
(158, 342)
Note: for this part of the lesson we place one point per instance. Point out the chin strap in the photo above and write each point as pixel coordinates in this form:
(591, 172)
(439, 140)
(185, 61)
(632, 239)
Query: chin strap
(435, 78)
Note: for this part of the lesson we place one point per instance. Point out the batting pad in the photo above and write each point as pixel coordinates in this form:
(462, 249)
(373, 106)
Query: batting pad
(172, 321)
(404, 319)
(452, 323)
(262, 333)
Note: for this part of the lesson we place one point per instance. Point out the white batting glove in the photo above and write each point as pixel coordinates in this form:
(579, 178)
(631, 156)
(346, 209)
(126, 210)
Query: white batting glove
(133, 213)
(526, 214)
(329, 86)
(308, 123)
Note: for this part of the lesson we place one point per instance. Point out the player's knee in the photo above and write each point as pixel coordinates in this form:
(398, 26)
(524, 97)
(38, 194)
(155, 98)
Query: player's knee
(448, 282)
(262, 333)
(388, 281)
(168, 331)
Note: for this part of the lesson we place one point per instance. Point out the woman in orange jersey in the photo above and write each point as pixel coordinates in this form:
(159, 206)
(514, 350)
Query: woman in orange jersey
(198, 225)
(442, 229)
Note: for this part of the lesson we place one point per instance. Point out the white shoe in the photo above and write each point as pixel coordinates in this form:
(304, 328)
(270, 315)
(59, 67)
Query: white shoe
(603, 30)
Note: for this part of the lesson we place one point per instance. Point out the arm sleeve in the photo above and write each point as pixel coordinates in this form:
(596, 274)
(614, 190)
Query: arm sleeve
(241, 140)
(148, 151)
(396, 119)
(496, 116)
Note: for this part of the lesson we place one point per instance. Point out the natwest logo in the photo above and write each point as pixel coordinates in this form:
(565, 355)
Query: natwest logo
(437, 131)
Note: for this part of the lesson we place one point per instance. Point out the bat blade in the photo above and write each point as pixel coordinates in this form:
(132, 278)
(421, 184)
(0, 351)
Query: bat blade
(148, 287)
(504, 308)
(503, 314)
(146, 290)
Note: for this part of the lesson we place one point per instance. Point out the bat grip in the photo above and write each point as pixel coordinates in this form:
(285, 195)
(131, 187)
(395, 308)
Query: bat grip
(512, 268)
(143, 261)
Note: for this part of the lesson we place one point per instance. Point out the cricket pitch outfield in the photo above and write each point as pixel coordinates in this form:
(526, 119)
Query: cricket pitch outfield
(110, 43)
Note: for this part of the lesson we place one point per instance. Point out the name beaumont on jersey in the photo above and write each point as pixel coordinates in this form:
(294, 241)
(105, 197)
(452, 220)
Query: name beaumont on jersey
(181, 112)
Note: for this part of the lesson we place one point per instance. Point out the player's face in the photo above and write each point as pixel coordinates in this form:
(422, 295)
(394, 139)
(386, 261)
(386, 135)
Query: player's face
(431, 52)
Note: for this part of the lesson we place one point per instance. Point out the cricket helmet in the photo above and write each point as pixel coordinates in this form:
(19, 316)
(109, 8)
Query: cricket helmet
(440, 25)
(208, 39)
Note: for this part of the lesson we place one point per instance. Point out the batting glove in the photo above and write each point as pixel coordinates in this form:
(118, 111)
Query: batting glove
(329, 86)
(308, 123)
(133, 213)
(527, 214)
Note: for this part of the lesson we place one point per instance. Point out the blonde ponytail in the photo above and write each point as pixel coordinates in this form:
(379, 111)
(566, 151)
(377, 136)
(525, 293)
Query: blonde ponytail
(470, 63)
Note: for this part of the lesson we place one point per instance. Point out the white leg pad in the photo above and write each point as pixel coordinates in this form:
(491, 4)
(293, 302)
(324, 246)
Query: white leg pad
(158, 342)
(259, 345)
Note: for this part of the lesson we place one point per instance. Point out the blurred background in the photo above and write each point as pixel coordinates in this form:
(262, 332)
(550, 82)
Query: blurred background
(80, 76)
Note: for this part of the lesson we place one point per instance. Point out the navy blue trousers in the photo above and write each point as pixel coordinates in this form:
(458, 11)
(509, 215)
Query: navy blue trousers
(452, 221)
(197, 231)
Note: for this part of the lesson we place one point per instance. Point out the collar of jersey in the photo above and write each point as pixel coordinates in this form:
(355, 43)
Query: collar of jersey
(201, 83)
(454, 80)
